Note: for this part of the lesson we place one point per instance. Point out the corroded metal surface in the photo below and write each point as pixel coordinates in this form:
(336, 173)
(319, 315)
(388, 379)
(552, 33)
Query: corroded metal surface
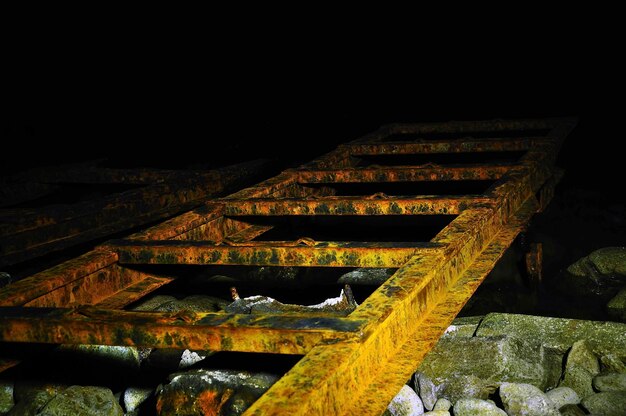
(351, 364)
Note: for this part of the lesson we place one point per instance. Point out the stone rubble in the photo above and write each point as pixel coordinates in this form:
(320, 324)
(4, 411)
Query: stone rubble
(499, 364)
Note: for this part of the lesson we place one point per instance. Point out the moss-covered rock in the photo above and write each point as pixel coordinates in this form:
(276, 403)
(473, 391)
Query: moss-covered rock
(562, 396)
(602, 273)
(580, 355)
(473, 367)
(521, 399)
(83, 400)
(611, 363)
(558, 333)
(6, 396)
(571, 410)
(579, 380)
(474, 407)
(616, 307)
(608, 403)
(610, 382)
(31, 396)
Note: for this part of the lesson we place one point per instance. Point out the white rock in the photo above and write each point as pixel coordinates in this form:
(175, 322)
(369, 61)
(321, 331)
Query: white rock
(476, 407)
(426, 390)
(134, 396)
(406, 403)
(562, 396)
(189, 358)
(438, 413)
(521, 399)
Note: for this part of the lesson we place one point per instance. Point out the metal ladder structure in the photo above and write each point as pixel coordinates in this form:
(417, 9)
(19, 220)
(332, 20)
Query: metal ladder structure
(351, 364)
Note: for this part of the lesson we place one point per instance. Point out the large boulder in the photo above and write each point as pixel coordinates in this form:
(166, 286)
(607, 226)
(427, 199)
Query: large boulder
(558, 333)
(474, 367)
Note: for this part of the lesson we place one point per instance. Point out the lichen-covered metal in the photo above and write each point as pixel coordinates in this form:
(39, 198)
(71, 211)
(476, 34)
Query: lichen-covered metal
(352, 364)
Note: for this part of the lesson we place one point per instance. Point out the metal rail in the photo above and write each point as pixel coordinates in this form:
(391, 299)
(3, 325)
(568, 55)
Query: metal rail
(351, 364)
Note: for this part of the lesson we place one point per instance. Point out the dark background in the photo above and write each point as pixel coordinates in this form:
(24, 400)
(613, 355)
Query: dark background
(163, 103)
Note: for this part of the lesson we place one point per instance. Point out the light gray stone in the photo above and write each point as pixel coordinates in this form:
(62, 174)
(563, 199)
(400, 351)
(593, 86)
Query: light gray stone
(558, 333)
(135, 396)
(366, 277)
(405, 403)
(6, 396)
(562, 396)
(476, 407)
(426, 389)
(438, 413)
(473, 367)
(521, 399)
(612, 364)
(581, 356)
(83, 400)
(5, 279)
(579, 380)
(463, 327)
(606, 403)
(119, 357)
(442, 404)
(610, 382)
(189, 358)
(571, 410)
(616, 307)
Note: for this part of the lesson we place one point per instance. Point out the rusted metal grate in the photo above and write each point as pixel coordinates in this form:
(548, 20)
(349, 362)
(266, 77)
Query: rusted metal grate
(352, 364)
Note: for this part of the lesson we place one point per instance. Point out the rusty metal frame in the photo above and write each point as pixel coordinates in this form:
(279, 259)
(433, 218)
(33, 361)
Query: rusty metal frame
(351, 364)
(27, 233)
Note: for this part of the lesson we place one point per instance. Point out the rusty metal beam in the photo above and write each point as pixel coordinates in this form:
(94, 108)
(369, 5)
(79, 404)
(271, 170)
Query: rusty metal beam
(270, 253)
(284, 334)
(404, 174)
(345, 205)
(28, 233)
(440, 146)
(429, 290)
